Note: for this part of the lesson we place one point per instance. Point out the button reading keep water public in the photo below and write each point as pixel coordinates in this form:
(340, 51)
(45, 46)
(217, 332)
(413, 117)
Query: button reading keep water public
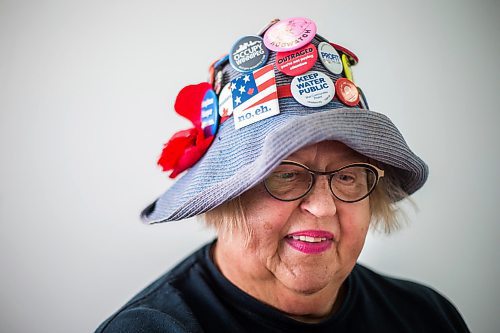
(313, 89)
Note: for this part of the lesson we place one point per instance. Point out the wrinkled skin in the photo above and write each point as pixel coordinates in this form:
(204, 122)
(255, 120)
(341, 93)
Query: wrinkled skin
(305, 286)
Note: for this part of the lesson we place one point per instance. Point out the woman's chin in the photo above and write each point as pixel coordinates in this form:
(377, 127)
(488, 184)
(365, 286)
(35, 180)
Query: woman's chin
(307, 286)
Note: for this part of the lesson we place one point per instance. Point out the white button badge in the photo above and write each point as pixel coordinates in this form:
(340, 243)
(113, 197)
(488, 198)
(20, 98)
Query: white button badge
(330, 58)
(313, 89)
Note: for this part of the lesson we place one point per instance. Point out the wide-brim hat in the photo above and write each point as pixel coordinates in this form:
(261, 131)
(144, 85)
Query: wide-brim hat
(239, 159)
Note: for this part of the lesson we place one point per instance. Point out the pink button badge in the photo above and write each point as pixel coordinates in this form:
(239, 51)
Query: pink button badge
(290, 34)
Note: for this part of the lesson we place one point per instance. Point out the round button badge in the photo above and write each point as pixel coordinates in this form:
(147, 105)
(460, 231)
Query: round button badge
(297, 62)
(209, 113)
(347, 92)
(330, 58)
(290, 34)
(313, 89)
(248, 54)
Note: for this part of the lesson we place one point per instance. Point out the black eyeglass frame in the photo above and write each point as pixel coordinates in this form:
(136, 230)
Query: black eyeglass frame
(379, 173)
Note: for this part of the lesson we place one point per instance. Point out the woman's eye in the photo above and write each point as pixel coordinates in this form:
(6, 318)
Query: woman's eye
(286, 175)
(345, 178)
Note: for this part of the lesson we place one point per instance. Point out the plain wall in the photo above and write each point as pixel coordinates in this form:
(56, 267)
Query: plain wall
(86, 103)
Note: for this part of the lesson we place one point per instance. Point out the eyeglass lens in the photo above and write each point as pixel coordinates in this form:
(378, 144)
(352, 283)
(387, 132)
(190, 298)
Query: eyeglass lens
(290, 182)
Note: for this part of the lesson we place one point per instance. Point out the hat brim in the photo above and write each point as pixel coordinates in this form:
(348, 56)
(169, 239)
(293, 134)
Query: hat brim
(240, 159)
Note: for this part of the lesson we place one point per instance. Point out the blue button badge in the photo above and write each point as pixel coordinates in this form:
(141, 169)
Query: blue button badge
(209, 113)
(248, 54)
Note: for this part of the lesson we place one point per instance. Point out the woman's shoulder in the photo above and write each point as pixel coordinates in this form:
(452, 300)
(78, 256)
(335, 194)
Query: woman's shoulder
(155, 309)
(143, 319)
(370, 280)
(160, 307)
(407, 299)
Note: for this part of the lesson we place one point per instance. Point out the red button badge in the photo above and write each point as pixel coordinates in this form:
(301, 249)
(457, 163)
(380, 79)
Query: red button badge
(297, 62)
(347, 92)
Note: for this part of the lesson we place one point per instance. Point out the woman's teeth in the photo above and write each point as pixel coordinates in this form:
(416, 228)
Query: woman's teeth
(309, 239)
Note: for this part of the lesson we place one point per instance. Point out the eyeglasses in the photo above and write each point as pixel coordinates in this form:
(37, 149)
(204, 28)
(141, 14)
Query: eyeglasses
(351, 183)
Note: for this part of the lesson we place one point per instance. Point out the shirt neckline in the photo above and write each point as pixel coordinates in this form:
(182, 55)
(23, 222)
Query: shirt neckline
(253, 308)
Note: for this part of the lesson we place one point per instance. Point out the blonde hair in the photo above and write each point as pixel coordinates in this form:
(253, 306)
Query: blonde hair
(386, 215)
(227, 218)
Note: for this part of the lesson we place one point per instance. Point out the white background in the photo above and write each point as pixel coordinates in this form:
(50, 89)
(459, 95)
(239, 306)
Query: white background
(86, 103)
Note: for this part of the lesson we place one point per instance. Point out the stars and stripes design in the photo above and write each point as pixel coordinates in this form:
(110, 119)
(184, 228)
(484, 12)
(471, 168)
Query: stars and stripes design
(254, 96)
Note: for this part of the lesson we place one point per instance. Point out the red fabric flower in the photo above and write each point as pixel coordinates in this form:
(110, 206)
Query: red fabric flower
(185, 148)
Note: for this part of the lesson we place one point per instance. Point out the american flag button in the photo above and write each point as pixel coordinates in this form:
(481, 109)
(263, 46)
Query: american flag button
(290, 34)
(248, 54)
(312, 89)
(254, 96)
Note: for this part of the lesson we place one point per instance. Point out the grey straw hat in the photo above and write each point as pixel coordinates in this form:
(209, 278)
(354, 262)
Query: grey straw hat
(239, 159)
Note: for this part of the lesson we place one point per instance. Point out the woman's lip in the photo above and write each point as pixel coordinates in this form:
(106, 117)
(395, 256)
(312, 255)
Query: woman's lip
(310, 241)
(312, 233)
(309, 247)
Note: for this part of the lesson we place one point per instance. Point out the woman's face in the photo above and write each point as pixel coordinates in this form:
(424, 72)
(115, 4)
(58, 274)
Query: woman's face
(301, 266)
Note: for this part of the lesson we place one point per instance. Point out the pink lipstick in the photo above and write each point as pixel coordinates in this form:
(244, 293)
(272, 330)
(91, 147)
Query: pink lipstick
(310, 241)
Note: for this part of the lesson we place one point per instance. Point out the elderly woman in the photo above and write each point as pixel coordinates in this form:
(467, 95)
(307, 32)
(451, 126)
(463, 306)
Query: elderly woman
(289, 165)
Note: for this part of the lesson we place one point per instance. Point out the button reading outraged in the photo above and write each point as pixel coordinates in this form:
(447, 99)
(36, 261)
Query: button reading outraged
(297, 62)
(313, 89)
(248, 54)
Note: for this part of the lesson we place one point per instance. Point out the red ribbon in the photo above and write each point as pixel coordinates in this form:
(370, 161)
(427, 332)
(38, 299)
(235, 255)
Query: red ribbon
(186, 147)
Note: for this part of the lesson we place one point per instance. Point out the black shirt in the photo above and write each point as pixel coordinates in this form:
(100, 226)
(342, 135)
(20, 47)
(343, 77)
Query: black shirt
(195, 297)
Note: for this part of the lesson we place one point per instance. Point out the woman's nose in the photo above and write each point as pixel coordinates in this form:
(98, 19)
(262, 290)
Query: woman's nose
(320, 200)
